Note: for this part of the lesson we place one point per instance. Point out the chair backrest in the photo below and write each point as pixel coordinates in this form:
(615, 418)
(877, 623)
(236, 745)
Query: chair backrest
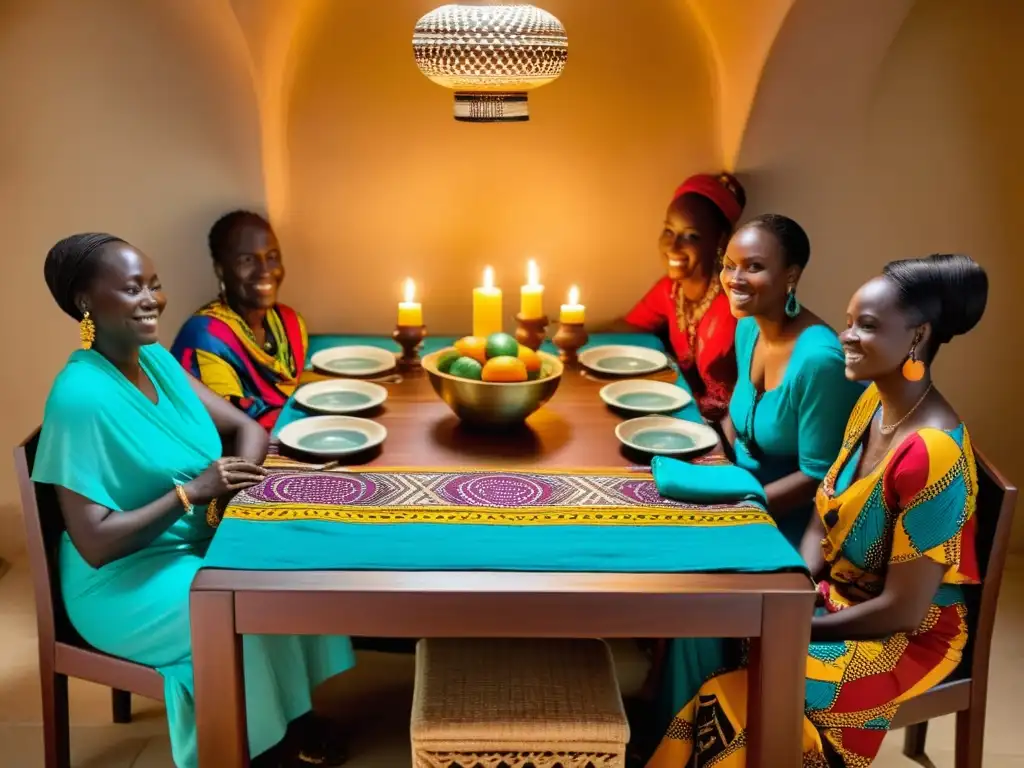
(997, 499)
(44, 525)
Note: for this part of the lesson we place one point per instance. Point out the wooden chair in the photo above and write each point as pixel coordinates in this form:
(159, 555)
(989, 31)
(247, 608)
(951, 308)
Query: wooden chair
(965, 692)
(62, 653)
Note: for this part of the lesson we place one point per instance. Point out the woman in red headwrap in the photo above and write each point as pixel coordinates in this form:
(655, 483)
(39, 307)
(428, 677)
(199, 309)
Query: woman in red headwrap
(689, 301)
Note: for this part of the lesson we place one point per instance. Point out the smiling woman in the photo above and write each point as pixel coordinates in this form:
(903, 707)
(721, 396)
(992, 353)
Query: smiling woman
(892, 541)
(133, 446)
(244, 345)
(688, 302)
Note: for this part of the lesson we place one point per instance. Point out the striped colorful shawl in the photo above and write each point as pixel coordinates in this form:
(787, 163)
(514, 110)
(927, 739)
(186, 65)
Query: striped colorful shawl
(217, 347)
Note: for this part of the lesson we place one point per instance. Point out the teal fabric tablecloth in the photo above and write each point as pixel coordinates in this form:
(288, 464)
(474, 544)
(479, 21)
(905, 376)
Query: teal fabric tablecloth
(381, 519)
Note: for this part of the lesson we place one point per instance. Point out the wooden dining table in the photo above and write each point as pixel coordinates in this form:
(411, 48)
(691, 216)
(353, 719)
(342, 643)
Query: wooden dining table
(574, 430)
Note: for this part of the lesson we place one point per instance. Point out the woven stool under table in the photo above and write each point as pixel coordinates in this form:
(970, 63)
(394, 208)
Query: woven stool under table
(517, 704)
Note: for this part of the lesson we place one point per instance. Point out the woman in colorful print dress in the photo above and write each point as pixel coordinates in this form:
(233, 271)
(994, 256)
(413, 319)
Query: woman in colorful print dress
(892, 541)
(688, 302)
(244, 345)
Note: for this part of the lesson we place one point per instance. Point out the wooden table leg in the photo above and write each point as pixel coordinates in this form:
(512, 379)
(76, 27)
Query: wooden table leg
(777, 672)
(219, 684)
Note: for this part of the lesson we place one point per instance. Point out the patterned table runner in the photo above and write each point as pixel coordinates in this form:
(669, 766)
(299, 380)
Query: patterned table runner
(463, 519)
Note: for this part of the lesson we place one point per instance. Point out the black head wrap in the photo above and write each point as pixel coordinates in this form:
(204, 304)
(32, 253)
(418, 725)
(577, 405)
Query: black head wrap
(71, 264)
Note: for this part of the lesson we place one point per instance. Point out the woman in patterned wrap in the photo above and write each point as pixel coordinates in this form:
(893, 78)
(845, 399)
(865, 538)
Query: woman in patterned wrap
(892, 541)
(688, 302)
(244, 345)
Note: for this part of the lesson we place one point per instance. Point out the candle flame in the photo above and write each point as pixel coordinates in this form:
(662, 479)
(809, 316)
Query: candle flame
(532, 274)
(574, 295)
(488, 277)
(410, 290)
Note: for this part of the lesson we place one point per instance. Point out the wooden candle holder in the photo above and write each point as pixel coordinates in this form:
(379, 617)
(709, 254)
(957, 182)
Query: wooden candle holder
(410, 337)
(569, 338)
(531, 331)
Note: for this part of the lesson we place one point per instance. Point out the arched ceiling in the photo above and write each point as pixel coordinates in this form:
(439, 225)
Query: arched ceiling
(740, 36)
(275, 33)
(799, 38)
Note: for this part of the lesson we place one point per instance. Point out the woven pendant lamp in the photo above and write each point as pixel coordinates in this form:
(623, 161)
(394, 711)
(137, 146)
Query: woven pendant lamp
(491, 56)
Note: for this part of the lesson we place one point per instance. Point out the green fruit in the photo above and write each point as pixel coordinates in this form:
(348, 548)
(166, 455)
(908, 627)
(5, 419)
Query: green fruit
(466, 368)
(444, 362)
(501, 345)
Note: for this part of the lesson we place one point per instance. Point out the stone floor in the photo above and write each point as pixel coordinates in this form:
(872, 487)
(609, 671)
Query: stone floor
(373, 700)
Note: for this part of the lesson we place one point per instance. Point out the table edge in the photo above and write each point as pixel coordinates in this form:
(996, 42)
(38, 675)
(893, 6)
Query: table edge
(503, 582)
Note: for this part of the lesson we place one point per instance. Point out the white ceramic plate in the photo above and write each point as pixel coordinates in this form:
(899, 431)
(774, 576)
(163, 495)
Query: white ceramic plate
(622, 360)
(353, 361)
(332, 435)
(645, 396)
(340, 396)
(666, 436)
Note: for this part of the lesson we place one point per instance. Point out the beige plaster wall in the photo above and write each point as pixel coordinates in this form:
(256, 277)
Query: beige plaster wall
(131, 117)
(891, 135)
(384, 184)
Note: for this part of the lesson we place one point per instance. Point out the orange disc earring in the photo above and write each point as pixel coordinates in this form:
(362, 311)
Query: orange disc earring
(913, 369)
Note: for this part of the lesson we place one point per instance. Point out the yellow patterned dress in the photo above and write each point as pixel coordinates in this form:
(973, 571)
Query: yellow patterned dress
(918, 502)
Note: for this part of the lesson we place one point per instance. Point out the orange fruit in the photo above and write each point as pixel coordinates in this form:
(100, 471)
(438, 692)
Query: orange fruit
(530, 359)
(474, 347)
(505, 369)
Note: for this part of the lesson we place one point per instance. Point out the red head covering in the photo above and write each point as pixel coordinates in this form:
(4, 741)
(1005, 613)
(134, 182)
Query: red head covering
(722, 190)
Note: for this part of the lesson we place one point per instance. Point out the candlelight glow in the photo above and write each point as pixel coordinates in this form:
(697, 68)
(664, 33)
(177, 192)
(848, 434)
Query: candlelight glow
(410, 290)
(574, 295)
(487, 311)
(532, 274)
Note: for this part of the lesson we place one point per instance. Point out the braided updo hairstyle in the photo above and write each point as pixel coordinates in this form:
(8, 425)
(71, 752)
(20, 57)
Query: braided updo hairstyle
(71, 265)
(948, 291)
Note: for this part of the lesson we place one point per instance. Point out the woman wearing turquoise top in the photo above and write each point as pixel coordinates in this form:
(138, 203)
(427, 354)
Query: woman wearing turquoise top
(792, 400)
(133, 446)
(787, 414)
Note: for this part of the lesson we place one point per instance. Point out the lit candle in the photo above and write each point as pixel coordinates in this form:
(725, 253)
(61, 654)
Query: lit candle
(573, 312)
(487, 307)
(531, 295)
(410, 313)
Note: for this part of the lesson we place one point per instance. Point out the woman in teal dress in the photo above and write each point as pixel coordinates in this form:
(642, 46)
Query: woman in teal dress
(788, 411)
(133, 445)
(792, 399)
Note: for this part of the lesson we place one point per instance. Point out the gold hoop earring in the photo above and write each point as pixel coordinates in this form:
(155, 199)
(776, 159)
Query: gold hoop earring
(87, 331)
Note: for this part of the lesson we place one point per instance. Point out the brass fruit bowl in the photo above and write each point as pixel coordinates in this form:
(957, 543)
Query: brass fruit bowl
(494, 404)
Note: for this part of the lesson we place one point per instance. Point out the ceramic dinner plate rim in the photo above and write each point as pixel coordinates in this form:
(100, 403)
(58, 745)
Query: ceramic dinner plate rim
(693, 429)
(387, 359)
(684, 398)
(376, 393)
(587, 359)
(291, 433)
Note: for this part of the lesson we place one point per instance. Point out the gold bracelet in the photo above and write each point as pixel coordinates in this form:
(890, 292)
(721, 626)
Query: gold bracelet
(212, 518)
(183, 497)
